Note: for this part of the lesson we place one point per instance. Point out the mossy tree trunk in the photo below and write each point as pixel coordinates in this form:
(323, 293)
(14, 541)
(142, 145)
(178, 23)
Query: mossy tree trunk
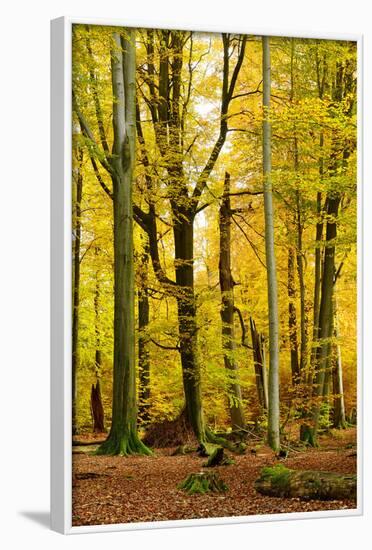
(227, 309)
(123, 437)
(285, 483)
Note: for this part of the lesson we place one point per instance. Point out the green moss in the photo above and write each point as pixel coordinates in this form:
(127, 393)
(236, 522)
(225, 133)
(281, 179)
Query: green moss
(202, 483)
(278, 475)
(123, 446)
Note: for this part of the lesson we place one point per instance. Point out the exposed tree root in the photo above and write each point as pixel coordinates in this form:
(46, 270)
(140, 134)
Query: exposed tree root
(123, 445)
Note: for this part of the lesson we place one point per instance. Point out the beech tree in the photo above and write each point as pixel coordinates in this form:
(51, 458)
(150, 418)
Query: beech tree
(206, 262)
(272, 290)
(227, 284)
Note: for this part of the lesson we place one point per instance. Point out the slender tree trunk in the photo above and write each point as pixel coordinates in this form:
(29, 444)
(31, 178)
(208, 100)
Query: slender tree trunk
(227, 309)
(273, 413)
(299, 227)
(97, 408)
(322, 70)
(123, 438)
(301, 277)
(76, 288)
(143, 340)
(339, 417)
(96, 398)
(259, 365)
(292, 317)
(326, 309)
(317, 280)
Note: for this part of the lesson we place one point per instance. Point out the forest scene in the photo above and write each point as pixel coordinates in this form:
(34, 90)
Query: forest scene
(214, 284)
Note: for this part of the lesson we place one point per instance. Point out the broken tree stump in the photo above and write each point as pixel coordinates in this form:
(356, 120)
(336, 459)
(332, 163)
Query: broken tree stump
(218, 458)
(279, 481)
(203, 482)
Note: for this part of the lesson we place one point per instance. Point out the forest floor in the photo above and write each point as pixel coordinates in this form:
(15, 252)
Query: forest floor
(109, 490)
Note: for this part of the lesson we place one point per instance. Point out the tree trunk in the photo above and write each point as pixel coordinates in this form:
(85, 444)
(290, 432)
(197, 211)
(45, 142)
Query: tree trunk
(97, 408)
(301, 277)
(123, 438)
(317, 276)
(259, 365)
(184, 254)
(292, 317)
(273, 412)
(326, 310)
(339, 418)
(95, 397)
(76, 287)
(299, 227)
(227, 309)
(143, 340)
(281, 482)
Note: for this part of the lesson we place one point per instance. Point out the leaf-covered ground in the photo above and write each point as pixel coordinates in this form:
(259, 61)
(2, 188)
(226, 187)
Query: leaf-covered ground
(121, 490)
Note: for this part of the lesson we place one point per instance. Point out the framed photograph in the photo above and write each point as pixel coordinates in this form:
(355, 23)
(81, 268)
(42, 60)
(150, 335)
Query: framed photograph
(206, 275)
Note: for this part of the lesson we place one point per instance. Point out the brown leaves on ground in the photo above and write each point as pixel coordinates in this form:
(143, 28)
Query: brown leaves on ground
(109, 490)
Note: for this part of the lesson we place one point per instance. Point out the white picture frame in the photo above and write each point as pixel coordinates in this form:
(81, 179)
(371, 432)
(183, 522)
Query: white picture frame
(61, 266)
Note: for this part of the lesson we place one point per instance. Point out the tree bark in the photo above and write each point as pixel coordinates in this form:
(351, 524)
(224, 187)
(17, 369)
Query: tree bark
(259, 365)
(273, 411)
(76, 287)
(317, 277)
(285, 483)
(97, 408)
(143, 340)
(227, 310)
(184, 258)
(339, 417)
(96, 397)
(123, 437)
(292, 318)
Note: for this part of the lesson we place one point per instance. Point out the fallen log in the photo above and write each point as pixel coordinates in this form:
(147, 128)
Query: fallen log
(279, 481)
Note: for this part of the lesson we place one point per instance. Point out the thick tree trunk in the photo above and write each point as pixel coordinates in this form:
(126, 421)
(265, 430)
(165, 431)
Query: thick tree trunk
(273, 412)
(186, 307)
(143, 340)
(123, 438)
(282, 482)
(76, 287)
(227, 310)
(259, 365)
